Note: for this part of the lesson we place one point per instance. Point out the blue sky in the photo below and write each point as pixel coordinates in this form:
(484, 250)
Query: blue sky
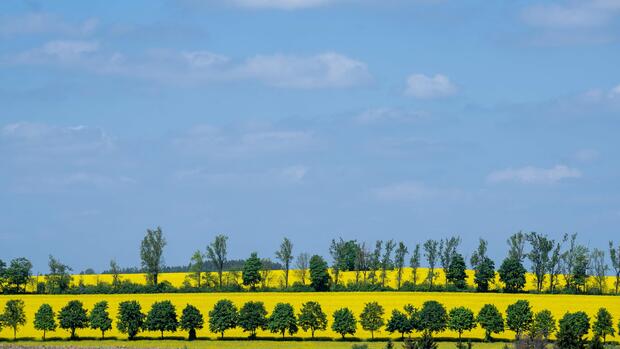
(310, 119)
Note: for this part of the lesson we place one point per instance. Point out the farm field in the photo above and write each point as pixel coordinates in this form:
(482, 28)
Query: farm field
(220, 344)
(276, 278)
(557, 304)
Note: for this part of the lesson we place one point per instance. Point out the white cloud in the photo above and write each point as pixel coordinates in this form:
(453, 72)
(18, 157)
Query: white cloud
(281, 4)
(44, 23)
(373, 116)
(323, 70)
(572, 14)
(48, 138)
(294, 173)
(534, 175)
(614, 93)
(586, 155)
(425, 87)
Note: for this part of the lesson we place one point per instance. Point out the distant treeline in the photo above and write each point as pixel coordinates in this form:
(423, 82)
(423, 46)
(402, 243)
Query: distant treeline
(532, 330)
(557, 266)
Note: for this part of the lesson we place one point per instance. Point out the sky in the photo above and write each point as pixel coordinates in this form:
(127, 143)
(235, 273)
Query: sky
(310, 119)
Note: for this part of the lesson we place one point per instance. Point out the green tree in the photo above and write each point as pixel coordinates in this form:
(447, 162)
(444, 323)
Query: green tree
(191, 320)
(285, 255)
(399, 322)
(614, 255)
(197, 266)
(512, 274)
(516, 246)
(414, 263)
(130, 319)
(14, 315)
(283, 319)
(311, 317)
(162, 317)
(598, 269)
(216, 252)
(433, 317)
(344, 322)
(491, 320)
(302, 264)
(72, 317)
(484, 267)
(539, 256)
(447, 250)
(371, 317)
(461, 319)
(519, 317)
(252, 317)
(152, 253)
(430, 252)
(115, 271)
(223, 316)
(45, 319)
(100, 318)
(58, 279)
(573, 329)
(386, 260)
(319, 275)
(338, 251)
(543, 325)
(456, 271)
(399, 262)
(17, 274)
(603, 325)
(251, 271)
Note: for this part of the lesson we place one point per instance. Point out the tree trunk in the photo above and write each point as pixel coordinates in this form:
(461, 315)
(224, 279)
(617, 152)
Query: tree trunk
(102, 334)
(372, 335)
(43, 334)
(14, 333)
(162, 334)
(222, 335)
(312, 333)
(220, 275)
(192, 334)
(286, 278)
(73, 333)
(155, 278)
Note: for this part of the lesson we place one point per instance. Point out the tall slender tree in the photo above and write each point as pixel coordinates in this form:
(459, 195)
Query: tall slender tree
(197, 266)
(285, 255)
(302, 264)
(484, 267)
(399, 262)
(414, 263)
(152, 253)
(430, 252)
(447, 249)
(386, 260)
(216, 252)
(541, 247)
(614, 254)
(598, 269)
(516, 243)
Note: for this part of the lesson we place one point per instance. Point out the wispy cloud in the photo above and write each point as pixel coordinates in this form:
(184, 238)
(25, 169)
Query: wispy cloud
(378, 115)
(426, 87)
(323, 70)
(411, 191)
(281, 4)
(534, 175)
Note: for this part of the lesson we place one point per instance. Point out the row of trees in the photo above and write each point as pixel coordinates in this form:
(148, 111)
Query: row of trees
(557, 265)
(431, 318)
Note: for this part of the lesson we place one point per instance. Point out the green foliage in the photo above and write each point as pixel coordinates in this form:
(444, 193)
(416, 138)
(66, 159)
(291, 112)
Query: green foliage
(162, 317)
(344, 322)
(191, 320)
(484, 267)
(399, 262)
(58, 279)
(430, 252)
(399, 322)
(44, 319)
(216, 252)
(371, 317)
(100, 318)
(223, 317)
(433, 317)
(14, 315)
(311, 317)
(319, 275)
(196, 267)
(130, 318)
(151, 253)
(539, 256)
(17, 274)
(543, 325)
(461, 319)
(491, 320)
(283, 319)
(252, 317)
(72, 317)
(519, 317)
(285, 255)
(425, 341)
(251, 271)
(512, 274)
(573, 329)
(456, 271)
(603, 325)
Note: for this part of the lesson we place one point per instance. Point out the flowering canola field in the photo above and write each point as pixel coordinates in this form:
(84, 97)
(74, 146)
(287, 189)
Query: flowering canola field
(330, 301)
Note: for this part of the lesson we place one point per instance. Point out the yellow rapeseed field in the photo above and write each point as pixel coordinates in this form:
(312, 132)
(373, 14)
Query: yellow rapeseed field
(330, 301)
(275, 278)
